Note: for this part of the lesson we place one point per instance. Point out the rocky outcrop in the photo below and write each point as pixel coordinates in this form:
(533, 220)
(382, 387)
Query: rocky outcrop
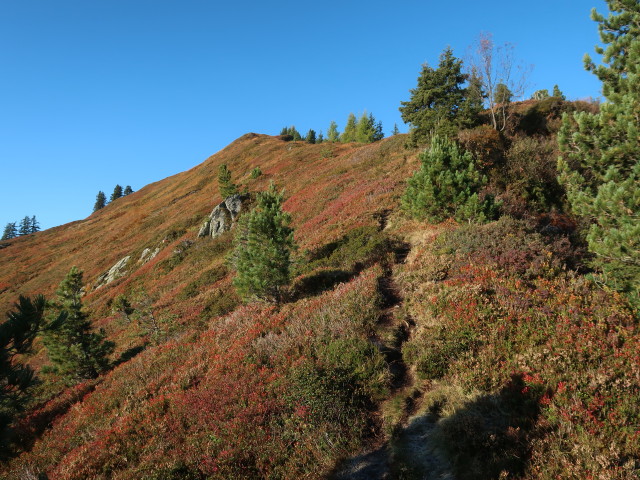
(115, 272)
(223, 216)
(148, 255)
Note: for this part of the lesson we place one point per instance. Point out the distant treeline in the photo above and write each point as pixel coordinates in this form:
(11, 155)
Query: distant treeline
(27, 225)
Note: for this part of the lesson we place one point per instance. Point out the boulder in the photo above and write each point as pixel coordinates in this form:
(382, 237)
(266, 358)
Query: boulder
(115, 272)
(223, 216)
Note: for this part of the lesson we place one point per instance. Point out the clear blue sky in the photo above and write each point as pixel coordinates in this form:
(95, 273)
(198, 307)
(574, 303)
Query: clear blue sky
(95, 93)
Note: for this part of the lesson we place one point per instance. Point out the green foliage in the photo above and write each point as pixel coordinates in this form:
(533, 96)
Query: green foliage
(122, 306)
(311, 137)
(17, 334)
(558, 93)
(395, 130)
(447, 185)
(262, 249)
(25, 226)
(10, 231)
(540, 94)
(350, 130)
(225, 185)
(128, 190)
(35, 226)
(435, 103)
(368, 130)
(255, 173)
(74, 349)
(333, 135)
(320, 138)
(117, 193)
(600, 164)
(503, 95)
(101, 201)
(473, 103)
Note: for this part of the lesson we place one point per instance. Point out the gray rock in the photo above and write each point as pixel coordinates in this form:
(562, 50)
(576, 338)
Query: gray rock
(148, 254)
(115, 272)
(223, 216)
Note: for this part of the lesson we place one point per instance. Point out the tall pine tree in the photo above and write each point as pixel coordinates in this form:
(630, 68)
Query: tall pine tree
(600, 163)
(117, 193)
(35, 226)
(436, 101)
(101, 201)
(10, 231)
(25, 226)
(263, 246)
(350, 130)
(75, 350)
(333, 135)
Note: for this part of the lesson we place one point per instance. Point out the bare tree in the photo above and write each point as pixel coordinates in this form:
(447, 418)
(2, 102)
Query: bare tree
(496, 65)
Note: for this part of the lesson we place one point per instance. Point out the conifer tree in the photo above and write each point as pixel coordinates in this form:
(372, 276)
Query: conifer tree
(128, 190)
(350, 130)
(262, 249)
(294, 133)
(35, 226)
(17, 334)
(117, 193)
(333, 135)
(311, 137)
(473, 102)
(364, 130)
(25, 226)
(284, 131)
(320, 138)
(376, 127)
(435, 102)
(226, 186)
(75, 350)
(600, 163)
(10, 231)
(101, 201)
(447, 185)
(558, 93)
(395, 130)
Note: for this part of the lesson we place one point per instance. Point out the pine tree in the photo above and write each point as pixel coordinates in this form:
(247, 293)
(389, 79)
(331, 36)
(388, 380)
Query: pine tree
(364, 130)
(473, 103)
(128, 190)
(262, 249)
(558, 93)
(320, 138)
(349, 134)
(74, 349)
(17, 334)
(333, 135)
(447, 185)
(376, 127)
(101, 201)
(600, 163)
(311, 137)
(226, 186)
(284, 131)
(35, 226)
(10, 231)
(25, 226)
(435, 102)
(294, 133)
(395, 130)
(117, 193)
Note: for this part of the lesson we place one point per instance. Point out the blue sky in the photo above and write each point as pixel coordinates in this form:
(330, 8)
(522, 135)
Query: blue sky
(105, 92)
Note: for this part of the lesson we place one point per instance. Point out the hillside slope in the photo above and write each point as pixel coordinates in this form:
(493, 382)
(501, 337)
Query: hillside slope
(404, 350)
